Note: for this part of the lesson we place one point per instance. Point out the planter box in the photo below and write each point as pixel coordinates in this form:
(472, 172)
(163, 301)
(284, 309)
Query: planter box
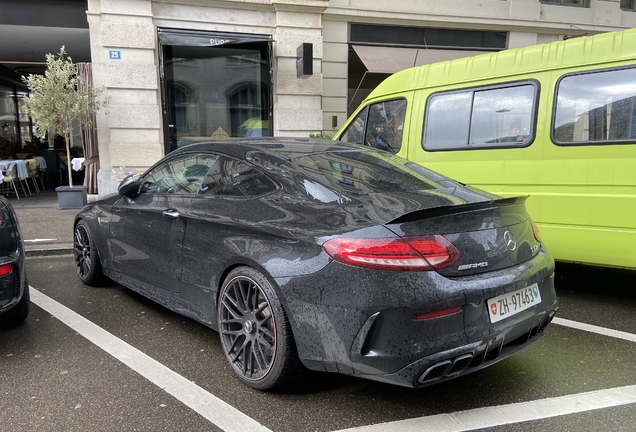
(74, 197)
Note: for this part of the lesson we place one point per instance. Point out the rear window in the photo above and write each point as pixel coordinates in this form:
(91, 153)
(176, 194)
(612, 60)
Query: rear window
(234, 178)
(364, 172)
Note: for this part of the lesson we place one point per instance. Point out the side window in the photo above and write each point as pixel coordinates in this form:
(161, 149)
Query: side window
(628, 5)
(355, 132)
(230, 177)
(596, 108)
(579, 3)
(481, 118)
(179, 175)
(385, 125)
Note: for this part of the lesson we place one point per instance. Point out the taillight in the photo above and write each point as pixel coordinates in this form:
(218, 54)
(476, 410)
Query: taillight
(5, 269)
(407, 254)
(437, 314)
(535, 231)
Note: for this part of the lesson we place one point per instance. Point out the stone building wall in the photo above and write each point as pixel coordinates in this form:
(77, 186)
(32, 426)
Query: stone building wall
(131, 132)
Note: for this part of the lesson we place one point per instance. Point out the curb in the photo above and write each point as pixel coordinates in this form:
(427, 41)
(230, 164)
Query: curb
(49, 249)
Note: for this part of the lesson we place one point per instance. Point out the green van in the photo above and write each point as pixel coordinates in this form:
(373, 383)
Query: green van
(556, 122)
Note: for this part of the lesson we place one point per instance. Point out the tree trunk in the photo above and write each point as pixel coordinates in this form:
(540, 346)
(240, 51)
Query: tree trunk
(68, 157)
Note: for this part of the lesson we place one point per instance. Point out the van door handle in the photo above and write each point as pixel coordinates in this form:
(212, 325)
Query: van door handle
(170, 214)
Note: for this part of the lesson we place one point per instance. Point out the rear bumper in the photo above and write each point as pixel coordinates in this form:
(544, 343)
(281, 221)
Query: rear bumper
(12, 285)
(471, 357)
(362, 323)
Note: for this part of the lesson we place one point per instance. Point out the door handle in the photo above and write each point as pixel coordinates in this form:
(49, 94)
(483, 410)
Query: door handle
(170, 214)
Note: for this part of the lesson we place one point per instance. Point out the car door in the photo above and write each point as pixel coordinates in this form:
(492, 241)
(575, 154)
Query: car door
(146, 232)
(223, 224)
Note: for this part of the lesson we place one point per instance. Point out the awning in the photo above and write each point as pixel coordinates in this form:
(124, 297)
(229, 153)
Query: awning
(391, 59)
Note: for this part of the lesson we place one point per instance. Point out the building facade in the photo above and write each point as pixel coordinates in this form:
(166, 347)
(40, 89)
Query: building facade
(190, 70)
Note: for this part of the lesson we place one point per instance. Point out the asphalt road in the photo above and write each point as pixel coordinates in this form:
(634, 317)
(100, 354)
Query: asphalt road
(101, 359)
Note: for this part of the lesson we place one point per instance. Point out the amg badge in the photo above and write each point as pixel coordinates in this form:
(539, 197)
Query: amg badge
(473, 266)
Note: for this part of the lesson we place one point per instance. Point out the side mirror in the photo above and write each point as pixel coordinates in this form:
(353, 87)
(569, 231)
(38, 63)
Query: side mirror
(129, 186)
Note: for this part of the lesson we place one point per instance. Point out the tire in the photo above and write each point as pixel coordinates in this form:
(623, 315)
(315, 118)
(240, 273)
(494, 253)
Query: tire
(87, 264)
(255, 333)
(17, 314)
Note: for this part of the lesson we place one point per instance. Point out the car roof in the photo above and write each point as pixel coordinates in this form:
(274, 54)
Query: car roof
(288, 148)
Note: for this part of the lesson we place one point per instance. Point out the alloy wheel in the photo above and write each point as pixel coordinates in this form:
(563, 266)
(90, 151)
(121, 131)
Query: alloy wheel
(248, 332)
(82, 251)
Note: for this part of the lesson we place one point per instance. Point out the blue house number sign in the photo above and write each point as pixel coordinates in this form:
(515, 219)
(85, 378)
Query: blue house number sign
(114, 55)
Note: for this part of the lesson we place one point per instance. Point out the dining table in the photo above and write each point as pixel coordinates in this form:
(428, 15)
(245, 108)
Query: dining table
(5, 164)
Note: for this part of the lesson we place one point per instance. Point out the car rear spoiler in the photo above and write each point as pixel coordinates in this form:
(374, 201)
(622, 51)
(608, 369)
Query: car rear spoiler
(454, 209)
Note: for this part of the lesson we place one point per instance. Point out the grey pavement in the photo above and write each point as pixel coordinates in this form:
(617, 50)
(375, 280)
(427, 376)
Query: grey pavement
(46, 229)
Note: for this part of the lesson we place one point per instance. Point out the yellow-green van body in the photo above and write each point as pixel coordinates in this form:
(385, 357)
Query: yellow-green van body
(582, 196)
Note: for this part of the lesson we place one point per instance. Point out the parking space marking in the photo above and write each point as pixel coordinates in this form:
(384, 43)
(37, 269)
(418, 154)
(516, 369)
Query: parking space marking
(520, 412)
(230, 419)
(507, 414)
(595, 329)
(204, 403)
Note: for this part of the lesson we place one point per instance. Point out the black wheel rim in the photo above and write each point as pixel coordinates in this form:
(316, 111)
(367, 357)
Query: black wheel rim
(82, 250)
(248, 332)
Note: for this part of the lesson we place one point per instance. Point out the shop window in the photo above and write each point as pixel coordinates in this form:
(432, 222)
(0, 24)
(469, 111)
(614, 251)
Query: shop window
(213, 84)
(481, 118)
(596, 108)
(8, 124)
(580, 3)
(246, 111)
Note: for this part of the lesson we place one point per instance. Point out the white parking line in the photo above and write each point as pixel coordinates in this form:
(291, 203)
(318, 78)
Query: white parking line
(206, 404)
(519, 412)
(230, 419)
(595, 329)
(507, 414)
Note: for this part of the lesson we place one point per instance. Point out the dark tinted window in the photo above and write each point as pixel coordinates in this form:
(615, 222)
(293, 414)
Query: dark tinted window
(627, 5)
(230, 177)
(598, 107)
(581, 3)
(427, 36)
(363, 171)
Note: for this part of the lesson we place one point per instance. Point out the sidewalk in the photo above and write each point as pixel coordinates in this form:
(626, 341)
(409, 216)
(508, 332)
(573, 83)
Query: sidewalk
(46, 229)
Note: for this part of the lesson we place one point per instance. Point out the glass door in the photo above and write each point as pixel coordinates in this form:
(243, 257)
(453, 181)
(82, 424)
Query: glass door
(215, 86)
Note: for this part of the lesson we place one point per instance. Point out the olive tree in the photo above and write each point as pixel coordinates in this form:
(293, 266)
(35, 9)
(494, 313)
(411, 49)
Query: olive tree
(59, 98)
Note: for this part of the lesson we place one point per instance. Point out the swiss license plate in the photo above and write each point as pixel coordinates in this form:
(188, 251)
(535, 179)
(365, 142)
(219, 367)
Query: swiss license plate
(512, 303)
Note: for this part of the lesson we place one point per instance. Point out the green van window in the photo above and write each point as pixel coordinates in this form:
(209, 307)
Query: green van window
(385, 125)
(355, 131)
(378, 125)
(596, 108)
(481, 118)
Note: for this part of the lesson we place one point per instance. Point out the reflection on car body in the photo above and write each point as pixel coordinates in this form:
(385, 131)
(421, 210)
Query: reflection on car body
(14, 286)
(324, 255)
